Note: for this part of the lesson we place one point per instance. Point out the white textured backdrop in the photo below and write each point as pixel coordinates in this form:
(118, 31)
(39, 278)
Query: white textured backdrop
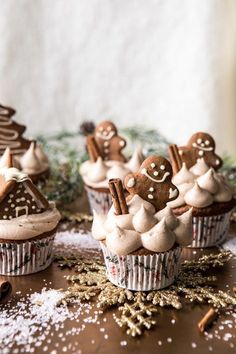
(164, 63)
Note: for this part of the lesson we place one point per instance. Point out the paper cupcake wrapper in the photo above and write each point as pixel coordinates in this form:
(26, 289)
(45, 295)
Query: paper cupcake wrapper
(210, 231)
(26, 257)
(142, 272)
(99, 201)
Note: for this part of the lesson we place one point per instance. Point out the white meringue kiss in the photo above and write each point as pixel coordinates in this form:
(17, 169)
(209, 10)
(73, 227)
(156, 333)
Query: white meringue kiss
(159, 239)
(208, 181)
(184, 230)
(124, 221)
(198, 197)
(98, 171)
(135, 203)
(200, 167)
(170, 218)
(183, 176)
(136, 160)
(98, 230)
(123, 242)
(143, 220)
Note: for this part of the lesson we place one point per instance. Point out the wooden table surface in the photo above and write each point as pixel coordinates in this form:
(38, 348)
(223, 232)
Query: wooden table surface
(176, 330)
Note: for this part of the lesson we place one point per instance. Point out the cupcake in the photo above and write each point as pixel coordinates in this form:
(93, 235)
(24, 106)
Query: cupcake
(202, 189)
(106, 162)
(140, 237)
(28, 223)
(27, 155)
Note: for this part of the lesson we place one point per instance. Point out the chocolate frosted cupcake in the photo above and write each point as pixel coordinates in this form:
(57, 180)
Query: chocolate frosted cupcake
(140, 240)
(204, 190)
(106, 162)
(28, 223)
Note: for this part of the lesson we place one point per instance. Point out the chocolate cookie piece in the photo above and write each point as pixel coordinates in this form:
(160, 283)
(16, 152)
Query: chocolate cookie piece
(109, 142)
(11, 133)
(200, 145)
(153, 182)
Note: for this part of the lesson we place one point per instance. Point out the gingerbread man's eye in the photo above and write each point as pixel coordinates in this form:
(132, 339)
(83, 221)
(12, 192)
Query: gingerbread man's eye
(199, 141)
(100, 129)
(109, 128)
(207, 142)
(162, 167)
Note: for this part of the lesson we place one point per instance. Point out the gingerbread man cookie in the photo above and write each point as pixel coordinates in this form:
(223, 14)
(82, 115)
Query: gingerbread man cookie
(200, 145)
(109, 142)
(153, 182)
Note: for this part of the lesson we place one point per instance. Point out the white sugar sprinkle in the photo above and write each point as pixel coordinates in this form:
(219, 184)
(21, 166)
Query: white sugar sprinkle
(123, 343)
(30, 321)
(75, 241)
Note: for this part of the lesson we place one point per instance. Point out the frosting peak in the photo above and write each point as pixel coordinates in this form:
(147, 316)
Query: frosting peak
(98, 171)
(198, 197)
(159, 239)
(200, 167)
(183, 176)
(136, 160)
(143, 220)
(170, 218)
(31, 162)
(135, 203)
(123, 242)
(208, 181)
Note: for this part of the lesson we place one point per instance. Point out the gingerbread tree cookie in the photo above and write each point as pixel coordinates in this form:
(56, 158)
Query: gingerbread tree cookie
(110, 144)
(11, 133)
(153, 182)
(200, 145)
(18, 195)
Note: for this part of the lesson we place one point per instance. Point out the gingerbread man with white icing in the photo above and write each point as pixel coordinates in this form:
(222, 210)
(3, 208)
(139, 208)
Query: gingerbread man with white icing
(109, 142)
(153, 182)
(200, 145)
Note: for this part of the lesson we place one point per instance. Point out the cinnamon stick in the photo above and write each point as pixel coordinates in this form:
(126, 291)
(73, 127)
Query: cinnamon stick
(5, 289)
(118, 196)
(175, 158)
(208, 319)
(93, 149)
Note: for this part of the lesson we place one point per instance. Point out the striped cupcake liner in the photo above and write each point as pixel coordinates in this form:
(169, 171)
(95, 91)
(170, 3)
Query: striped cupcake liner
(26, 257)
(99, 201)
(142, 272)
(210, 231)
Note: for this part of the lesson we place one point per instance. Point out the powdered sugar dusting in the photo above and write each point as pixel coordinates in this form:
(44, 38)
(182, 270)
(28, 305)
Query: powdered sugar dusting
(74, 241)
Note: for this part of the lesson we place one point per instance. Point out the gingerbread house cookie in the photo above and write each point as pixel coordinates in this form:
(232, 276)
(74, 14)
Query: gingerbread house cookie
(200, 145)
(18, 195)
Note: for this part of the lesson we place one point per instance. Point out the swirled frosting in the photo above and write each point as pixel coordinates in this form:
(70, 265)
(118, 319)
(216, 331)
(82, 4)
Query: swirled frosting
(97, 174)
(28, 226)
(206, 187)
(126, 233)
